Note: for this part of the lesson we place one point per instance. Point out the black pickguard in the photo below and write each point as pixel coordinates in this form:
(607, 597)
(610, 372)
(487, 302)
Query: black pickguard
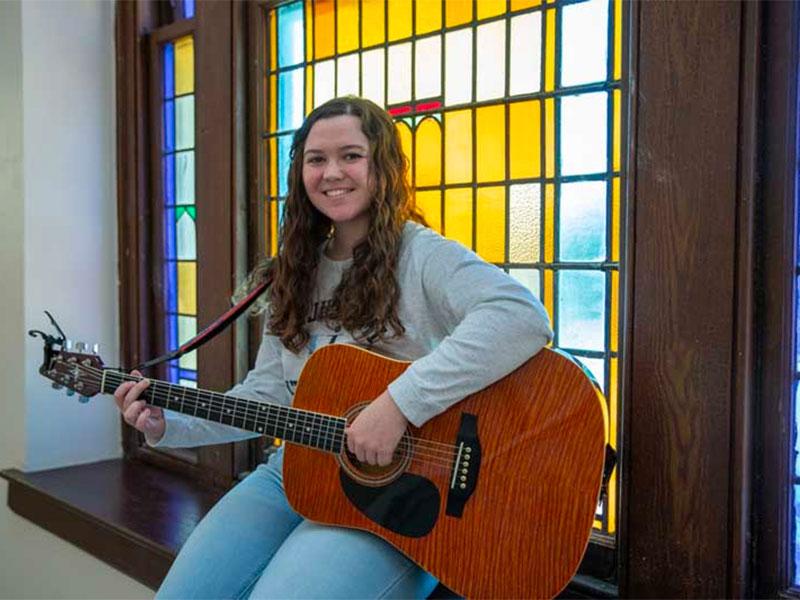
(408, 506)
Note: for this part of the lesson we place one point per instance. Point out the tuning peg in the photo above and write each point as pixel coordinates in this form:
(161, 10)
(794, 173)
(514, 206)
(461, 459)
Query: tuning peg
(68, 344)
(57, 386)
(80, 346)
(83, 399)
(95, 348)
(70, 392)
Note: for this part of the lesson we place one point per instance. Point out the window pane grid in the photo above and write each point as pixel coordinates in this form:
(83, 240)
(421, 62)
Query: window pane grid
(548, 210)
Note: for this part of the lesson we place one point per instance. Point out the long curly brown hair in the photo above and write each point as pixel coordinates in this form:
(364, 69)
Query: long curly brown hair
(365, 302)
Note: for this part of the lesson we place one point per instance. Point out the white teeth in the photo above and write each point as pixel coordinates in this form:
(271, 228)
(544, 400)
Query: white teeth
(335, 193)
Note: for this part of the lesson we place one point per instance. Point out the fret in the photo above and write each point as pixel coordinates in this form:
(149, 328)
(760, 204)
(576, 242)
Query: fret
(237, 419)
(328, 445)
(262, 419)
(203, 408)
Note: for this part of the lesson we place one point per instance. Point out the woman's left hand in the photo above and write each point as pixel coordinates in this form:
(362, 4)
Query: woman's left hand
(375, 432)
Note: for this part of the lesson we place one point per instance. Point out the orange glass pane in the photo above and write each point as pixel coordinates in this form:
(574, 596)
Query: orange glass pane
(309, 31)
(309, 89)
(430, 203)
(549, 222)
(399, 19)
(614, 333)
(490, 8)
(458, 146)
(521, 4)
(273, 40)
(617, 128)
(615, 218)
(550, 51)
(406, 141)
(429, 16)
(346, 25)
(372, 22)
(490, 143)
(490, 234)
(273, 167)
(550, 137)
(273, 226)
(458, 215)
(548, 293)
(428, 162)
(273, 103)
(525, 139)
(457, 12)
(184, 65)
(617, 39)
(324, 28)
(187, 287)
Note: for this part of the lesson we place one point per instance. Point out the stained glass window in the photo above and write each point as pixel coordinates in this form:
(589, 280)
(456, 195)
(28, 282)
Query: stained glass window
(510, 113)
(180, 243)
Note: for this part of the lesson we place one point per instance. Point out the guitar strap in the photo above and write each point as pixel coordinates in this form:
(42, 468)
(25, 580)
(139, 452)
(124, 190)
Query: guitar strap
(212, 330)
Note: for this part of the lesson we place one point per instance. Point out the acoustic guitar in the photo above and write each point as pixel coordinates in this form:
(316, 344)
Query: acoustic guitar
(495, 497)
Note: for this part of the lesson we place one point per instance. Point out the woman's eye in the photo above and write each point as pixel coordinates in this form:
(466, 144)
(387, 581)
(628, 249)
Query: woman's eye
(352, 156)
(314, 160)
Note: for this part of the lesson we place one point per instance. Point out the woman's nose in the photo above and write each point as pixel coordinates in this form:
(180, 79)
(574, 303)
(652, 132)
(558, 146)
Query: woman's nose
(332, 170)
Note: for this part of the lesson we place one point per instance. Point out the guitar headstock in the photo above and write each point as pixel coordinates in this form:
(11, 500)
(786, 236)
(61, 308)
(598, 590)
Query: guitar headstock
(78, 368)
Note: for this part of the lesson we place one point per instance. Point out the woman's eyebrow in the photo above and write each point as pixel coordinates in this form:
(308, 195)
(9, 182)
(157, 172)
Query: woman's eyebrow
(341, 148)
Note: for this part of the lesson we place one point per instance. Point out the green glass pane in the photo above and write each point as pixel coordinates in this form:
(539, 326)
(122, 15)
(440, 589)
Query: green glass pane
(582, 221)
(184, 123)
(581, 310)
(184, 178)
(187, 329)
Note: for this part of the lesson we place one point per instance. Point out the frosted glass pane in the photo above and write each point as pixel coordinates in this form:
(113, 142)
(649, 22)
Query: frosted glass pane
(347, 75)
(597, 367)
(284, 162)
(184, 178)
(184, 122)
(399, 73)
(324, 82)
(491, 65)
(584, 42)
(458, 67)
(186, 237)
(428, 64)
(525, 223)
(584, 121)
(187, 329)
(529, 278)
(526, 53)
(582, 221)
(372, 68)
(290, 34)
(290, 99)
(581, 310)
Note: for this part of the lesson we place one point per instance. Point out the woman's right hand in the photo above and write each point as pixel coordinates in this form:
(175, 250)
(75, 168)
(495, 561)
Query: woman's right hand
(147, 419)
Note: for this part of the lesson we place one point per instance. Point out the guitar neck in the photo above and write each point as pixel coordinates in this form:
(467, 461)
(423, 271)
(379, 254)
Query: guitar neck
(314, 430)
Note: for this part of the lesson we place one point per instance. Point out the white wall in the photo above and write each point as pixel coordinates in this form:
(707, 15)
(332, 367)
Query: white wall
(57, 252)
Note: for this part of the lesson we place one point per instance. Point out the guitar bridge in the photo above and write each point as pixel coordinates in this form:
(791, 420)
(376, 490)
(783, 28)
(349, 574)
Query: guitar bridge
(466, 467)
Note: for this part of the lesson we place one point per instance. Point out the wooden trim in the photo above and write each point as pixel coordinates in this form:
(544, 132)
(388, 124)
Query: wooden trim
(778, 260)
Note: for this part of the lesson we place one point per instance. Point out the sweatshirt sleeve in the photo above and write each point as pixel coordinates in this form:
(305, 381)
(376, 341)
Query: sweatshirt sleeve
(494, 323)
(264, 383)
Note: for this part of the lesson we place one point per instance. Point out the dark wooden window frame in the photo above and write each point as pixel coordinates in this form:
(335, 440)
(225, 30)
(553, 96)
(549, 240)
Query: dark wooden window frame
(707, 200)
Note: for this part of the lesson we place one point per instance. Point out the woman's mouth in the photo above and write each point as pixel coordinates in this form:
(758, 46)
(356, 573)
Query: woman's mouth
(337, 192)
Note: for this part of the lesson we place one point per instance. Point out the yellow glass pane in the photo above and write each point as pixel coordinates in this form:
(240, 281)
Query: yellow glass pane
(309, 89)
(550, 137)
(324, 28)
(273, 227)
(346, 25)
(549, 222)
(525, 139)
(187, 287)
(372, 22)
(617, 39)
(273, 103)
(399, 19)
(490, 235)
(273, 167)
(612, 503)
(429, 16)
(614, 316)
(490, 8)
(309, 31)
(521, 4)
(405, 140)
(615, 219)
(490, 143)
(457, 12)
(617, 143)
(430, 203)
(273, 40)
(550, 51)
(458, 146)
(184, 65)
(429, 153)
(547, 292)
(458, 215)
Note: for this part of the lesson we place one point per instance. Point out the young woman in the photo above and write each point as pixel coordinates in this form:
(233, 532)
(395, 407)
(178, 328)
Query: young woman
(356, 265)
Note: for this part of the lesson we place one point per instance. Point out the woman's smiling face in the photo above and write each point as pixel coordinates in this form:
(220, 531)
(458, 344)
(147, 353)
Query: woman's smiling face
(336, 171)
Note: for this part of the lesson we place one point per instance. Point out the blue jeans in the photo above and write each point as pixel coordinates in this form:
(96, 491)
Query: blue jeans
(252, 544)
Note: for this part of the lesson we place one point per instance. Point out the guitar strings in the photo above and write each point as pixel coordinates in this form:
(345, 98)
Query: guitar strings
(425, 451)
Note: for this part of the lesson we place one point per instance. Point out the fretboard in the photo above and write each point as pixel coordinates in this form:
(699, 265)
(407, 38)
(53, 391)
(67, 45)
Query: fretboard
(306, 428)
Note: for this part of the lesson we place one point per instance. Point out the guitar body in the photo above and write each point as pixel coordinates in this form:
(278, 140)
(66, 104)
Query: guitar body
(524, 527)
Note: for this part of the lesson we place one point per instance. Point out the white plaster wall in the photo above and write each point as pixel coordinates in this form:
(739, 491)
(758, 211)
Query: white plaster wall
(57, 252)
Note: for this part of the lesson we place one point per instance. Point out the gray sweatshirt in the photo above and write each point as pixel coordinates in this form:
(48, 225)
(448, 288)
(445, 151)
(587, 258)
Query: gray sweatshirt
(467, 325)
